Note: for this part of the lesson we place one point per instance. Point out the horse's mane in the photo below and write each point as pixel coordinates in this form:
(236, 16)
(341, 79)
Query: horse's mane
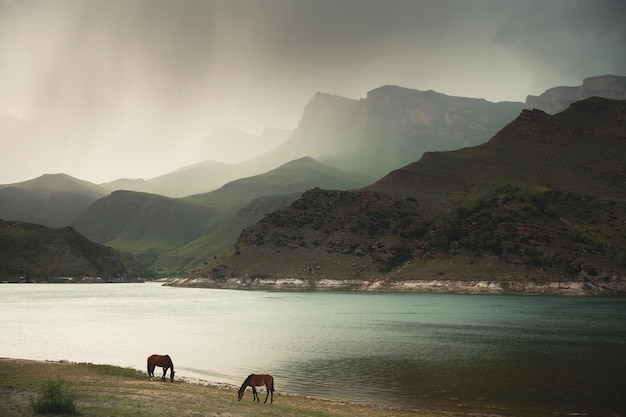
(245, 383)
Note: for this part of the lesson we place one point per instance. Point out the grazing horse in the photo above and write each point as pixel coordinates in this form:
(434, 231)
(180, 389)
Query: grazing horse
(254, 381)
(164, 361)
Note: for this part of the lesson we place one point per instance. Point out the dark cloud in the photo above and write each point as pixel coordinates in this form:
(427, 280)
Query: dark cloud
(116, 78)
(570, 39)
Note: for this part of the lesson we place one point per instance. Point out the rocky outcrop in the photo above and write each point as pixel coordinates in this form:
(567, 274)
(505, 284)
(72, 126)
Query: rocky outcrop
(417, 286)
(558, 99)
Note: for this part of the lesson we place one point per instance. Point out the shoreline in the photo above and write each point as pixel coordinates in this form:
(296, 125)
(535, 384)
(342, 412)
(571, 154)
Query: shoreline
(417, 286)
(104, 390)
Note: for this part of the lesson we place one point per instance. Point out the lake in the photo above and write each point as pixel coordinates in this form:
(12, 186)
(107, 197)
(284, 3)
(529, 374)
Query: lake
(533, 354)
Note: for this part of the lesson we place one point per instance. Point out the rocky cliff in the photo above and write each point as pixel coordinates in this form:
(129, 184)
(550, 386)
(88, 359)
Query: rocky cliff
(558, 99)
(392, 127)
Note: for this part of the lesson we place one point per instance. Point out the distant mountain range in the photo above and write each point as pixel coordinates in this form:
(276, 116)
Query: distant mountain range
(209, 175)
(389, 128)
(539, 207)
(164, 233)
(52, 200)
(557, 99)
(182, 227)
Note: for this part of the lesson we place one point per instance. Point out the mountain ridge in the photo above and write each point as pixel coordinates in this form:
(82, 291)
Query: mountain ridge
(557, 99)
(513, 219)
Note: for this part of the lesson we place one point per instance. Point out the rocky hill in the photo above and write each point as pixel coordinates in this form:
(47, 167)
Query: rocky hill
(541, 207)
(557, 99)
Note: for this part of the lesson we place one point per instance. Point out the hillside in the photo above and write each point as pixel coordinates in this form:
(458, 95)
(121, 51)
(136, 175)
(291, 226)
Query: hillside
(143, 224)
(35, 252)
(170, 233)
(52, 200)
(540, 207)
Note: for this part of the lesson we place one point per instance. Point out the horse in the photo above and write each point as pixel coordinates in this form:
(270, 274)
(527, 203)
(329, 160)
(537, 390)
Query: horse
(164, 361)
(254, 380)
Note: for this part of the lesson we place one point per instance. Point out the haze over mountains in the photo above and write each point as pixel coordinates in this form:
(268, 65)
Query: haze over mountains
(390, 127)
(354, 143)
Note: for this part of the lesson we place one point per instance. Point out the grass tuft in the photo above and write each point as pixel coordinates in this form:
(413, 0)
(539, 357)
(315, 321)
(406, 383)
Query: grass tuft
(55, 397)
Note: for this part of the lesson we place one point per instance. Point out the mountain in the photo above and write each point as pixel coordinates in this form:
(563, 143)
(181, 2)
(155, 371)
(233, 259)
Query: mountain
(36, 252)
(392, 127)
(540, 207)
(193, 179)
(209, 175)
(295, 176)
(389, 128)
(52, 200)
(244, 202)
(557, 99)
(168, 233)
(143, 224)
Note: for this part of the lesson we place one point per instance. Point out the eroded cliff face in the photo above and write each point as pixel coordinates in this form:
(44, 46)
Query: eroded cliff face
(415, 286)
(393, 126)
(558, 99)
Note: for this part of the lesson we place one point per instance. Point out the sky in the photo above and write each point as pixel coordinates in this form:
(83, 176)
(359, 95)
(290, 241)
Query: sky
(104, 89)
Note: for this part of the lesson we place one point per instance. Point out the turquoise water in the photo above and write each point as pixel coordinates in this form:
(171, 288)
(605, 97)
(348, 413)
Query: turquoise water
(475, 352)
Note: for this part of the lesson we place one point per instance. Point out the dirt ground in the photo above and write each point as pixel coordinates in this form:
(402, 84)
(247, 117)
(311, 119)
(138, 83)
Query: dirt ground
(104, 390)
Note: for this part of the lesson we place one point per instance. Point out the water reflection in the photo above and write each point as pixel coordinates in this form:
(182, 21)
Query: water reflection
(411, 350)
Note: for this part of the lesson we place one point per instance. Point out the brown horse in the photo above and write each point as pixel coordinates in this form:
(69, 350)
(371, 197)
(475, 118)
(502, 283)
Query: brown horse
(254, 381)
(164, 361)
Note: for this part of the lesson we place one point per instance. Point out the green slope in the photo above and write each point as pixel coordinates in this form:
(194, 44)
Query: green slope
(296, 176)
(37, 252)
(143, 224)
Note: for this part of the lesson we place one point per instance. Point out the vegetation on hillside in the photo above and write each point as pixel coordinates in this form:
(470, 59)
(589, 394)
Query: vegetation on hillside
(543, 200)
(34, 252)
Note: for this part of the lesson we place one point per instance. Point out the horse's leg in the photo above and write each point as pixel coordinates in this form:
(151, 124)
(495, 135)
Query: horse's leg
(164, 372)
(255, 396)
(267, 394)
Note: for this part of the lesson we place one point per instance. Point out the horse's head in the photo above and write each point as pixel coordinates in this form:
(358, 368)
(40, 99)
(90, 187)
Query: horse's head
(240, 394)
(172, 375)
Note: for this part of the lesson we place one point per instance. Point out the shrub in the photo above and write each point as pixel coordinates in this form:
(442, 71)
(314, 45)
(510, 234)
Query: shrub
(54, 397)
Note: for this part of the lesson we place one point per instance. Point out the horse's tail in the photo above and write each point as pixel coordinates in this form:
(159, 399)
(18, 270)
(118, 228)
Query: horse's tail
(272, 386)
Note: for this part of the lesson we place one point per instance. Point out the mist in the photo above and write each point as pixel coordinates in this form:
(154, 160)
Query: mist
(103, 89)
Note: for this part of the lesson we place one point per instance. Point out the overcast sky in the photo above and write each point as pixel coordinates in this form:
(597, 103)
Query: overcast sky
(102, 89)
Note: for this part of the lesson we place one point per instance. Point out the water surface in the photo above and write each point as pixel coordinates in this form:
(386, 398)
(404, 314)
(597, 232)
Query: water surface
(534, 354)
